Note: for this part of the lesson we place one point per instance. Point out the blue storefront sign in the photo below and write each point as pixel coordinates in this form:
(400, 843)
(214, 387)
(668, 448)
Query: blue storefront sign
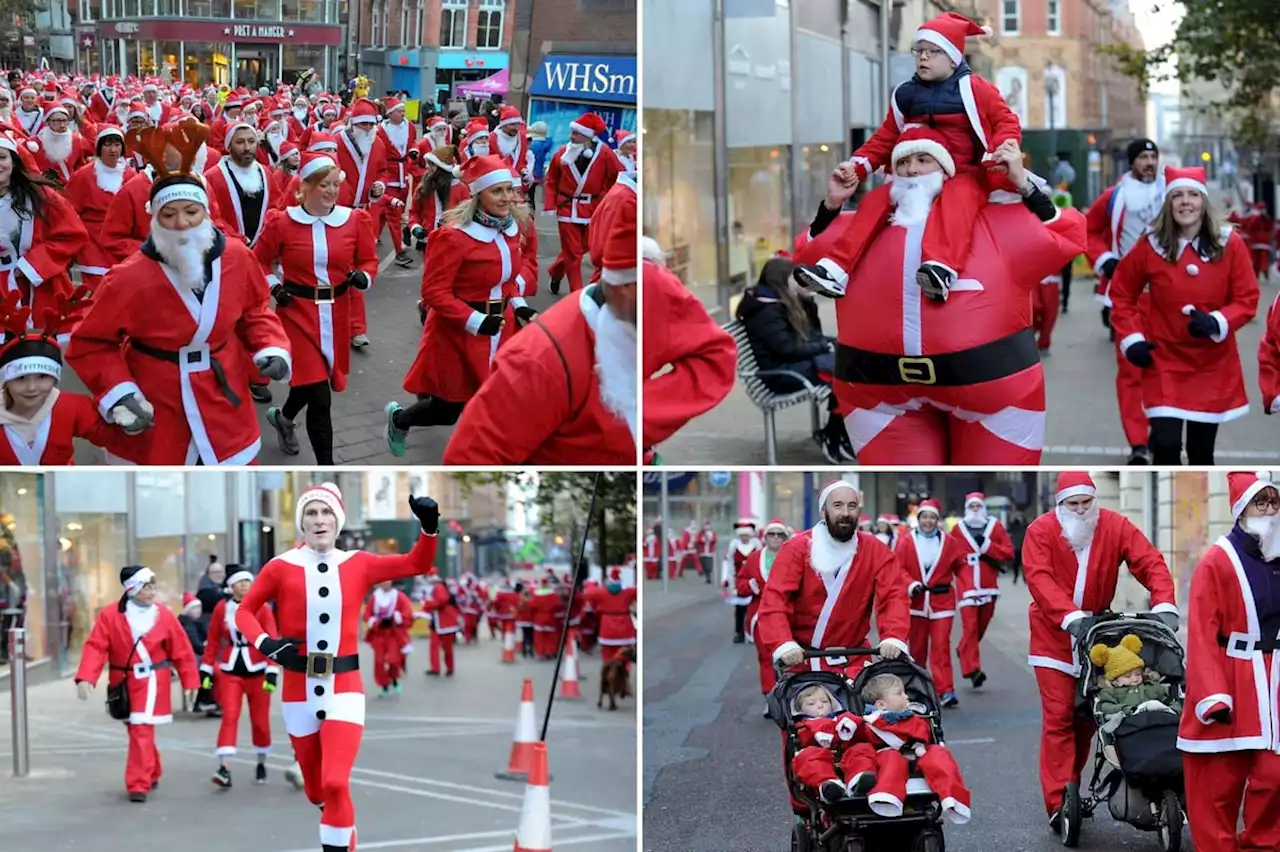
(586, 79)
(494, 60)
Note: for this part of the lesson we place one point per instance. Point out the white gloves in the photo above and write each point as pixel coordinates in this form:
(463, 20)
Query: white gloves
(792, 657)
(132, 413)
(83, 689)
(888, 650)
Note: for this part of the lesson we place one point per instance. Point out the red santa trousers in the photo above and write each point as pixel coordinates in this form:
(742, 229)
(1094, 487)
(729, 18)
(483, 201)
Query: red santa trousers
(1044, 311)
(231, 688)
(142, 768)
(1065, 738)
(813, 765)
(607, 652)
(939, 769)
(470, 626)
(387, 213)
(442, 642)
(568, 263)
(326, 758)
(359, 322)
(930, 639)
(974, 621)
(388, 658)
(546, 641)
(1215, 785)
(768, 678)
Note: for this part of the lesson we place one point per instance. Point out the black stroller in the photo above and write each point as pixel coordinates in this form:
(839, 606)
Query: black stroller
(1137, 767)
(850, 825)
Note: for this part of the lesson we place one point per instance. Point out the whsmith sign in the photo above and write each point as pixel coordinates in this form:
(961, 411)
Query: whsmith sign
(608, 79)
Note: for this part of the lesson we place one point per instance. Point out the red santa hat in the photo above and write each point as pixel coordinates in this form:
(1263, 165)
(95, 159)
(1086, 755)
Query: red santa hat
(435, 123)
(189, 602)
(150, 87)
(9, 143)
(321, 141)
(509, 115)
(314, 161)
(51, 86)
(288, 149)
(108, 132)
(58, 109)
(618, 266)
(476, 129)
(929, 505)
(27, 88)
(832, 487)
(234, 128)
(919, 139)
(1192, 177)
(278, 108)
(329, 109)
(481, 173)
(622, 137)
(364, 111)
(233, 101)
(615, 574)
(138, 109)
(894, 519)
(948, 31)
(775, 525)
(326, 493)
(884, 518)
(1074, 483)
(589, 124)
(433, 571)
(1242, 487)
(747, 524)
(394, 104)
(975, 497)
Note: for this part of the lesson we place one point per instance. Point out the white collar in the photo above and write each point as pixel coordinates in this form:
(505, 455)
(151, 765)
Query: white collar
(336, 218)
(485, 234)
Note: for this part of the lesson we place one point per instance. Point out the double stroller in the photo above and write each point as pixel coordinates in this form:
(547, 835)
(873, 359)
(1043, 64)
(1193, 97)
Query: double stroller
(849, 825)
(1137, 768)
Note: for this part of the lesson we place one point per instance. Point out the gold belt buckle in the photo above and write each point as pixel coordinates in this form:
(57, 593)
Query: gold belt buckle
(917, 371)
(320, 665)
(324, 294)
(500, 304)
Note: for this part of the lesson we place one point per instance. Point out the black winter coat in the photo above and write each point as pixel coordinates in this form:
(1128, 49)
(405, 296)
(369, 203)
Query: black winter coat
(197, 632)
(774, 342)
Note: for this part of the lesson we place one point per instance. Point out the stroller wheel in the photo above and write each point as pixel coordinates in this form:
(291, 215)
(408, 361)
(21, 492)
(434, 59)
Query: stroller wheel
(1171, 822)
(800, 840)
(930, 841)
(1070, 816)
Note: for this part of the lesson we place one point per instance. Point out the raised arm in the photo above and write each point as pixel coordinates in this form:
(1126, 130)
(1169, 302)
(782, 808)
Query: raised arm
(418, 560)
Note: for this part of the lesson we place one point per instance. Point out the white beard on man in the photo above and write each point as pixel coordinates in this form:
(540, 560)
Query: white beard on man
(440, 138)
(913, 197)
(275, 137)
(398, 134)
(615, 350)
(109, 179)
(572, 151)
(362, 135)
(300, 114)
(975, 517)
(183, 252)
(507, 145)
(6, 114)
(1267, 530)
(57, 146)
(1078, 529)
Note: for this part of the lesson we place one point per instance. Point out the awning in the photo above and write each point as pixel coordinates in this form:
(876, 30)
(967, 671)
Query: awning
(494, 84)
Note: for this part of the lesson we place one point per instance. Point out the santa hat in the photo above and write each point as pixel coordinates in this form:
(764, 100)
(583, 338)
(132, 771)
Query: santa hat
(326, 493)
(509, 115)
(22, 152)
(1243, 487)
(918, 139)
(894, 519)
(237, 576)
(948, 31)
(189, 602)
(51, 87)
(745, 524)
(321, 141)
(233, 101)
(622, 137)
(364, 111)
(975, 497)
(56, 110)
(618, 263)
(1192, 177)
(833, 486)
(288, 149)
(278, 109)
(883, 518)
(476, 129)
(615, 574)
(328, 109)
(314, 161)
(481, 173)
(435, 123)
(137, 109)
(775, 525)
(235, 127)
(394, 104)
(1074, 483)
(929, 505)
(443, 158)
(589, 124)
(150, 87)
(26, 89)
(134, 577)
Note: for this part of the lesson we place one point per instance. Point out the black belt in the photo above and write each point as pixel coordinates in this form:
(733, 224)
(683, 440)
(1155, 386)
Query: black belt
(985, 363)
(320, 665)
(172, 356)
(493, 307)
(320, 295)
(163, 664)
(937, 590)
(1265, 644)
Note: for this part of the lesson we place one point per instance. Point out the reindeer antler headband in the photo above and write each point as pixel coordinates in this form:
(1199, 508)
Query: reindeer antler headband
(28, 350)
(181, 184)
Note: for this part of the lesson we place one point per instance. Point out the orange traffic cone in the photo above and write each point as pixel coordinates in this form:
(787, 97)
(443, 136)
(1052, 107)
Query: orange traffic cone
(569, 677)
(535, 817)
(509, 644)
(526, 734)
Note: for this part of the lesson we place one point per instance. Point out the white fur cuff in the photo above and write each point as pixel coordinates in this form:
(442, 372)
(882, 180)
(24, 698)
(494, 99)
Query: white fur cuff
(785, 648)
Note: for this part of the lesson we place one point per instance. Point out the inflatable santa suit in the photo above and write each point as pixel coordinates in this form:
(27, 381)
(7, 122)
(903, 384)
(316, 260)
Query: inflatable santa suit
(957, 381)
(318, 591)
(1229, 735)
(932, 560)
(1071, 558)
(986, 546)
(752, 579)
(824, 585)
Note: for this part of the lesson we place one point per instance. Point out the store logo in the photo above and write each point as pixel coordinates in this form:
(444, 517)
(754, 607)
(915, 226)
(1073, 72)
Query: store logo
(474, 62)
(257, 31)
(126, 27)
(589, 78)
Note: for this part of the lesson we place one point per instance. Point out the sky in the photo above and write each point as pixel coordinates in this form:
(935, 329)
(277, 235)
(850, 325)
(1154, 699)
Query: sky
(1157, 29)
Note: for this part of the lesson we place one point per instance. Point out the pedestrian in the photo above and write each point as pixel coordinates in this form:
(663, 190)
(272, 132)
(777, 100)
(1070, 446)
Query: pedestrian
(577, 177)
(933, 562)
(196, 626)
(388, 615)
(615, 608)
(547, 611)
(323, 695)
(141, 644)
(1017, 532)
(735, 562)
(540, 147)
(91, 190)
(752, 579)
(1072, 559)
(211, 588)
(399, 139)
(1176, 314)
(1231, 751)
(706, 544)
(986, 547)
(524, 619)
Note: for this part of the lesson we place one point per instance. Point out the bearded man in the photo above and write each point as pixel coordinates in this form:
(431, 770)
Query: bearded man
(59, 151)
(578, 176)
(987, 547)
(1071, 558)
(274, 136)
(513, 143)
(298, 119)
(242, 185)
(103, 101)
(165, 351)
(362, 157)
(626, 140)
(6, 110)
(29, 114)
(437, 135)
(157, 110)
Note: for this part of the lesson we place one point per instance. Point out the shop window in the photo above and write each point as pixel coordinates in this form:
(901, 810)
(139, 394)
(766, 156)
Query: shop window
(22, 598)
(489, 24)
(418, 11)
(92, 546)
(679, 161)
(453, 23)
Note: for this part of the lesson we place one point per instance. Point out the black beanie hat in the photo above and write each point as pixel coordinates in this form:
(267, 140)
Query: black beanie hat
(1138, 146)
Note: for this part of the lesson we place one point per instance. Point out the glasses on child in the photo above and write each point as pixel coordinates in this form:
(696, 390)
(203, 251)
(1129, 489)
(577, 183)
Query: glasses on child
(925, 53)
(775, 535)
(1263, 502)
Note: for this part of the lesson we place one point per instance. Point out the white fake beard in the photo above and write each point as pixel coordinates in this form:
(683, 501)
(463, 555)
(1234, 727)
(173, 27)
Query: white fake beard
(109, 180)
(828, 556)
(975, 518)
(439, 138)
(1078, 529)
(122, 114)
(183, 252)
(573, 151)
(6, 114)
(912, 198)
(363, 139)
(202, 156)
(57, 146)
(1267, 530)
(507, 145)
(250, 179)
(479, 149)
(615, 350)
(275, 140)
(300, 115)
(398, 134)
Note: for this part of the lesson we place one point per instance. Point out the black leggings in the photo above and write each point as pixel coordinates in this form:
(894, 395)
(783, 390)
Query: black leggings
(1066, 285)
(428, 411)
(318, 400)
(1165, 441)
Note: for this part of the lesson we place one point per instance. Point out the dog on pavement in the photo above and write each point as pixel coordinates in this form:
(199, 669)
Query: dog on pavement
(615, 680)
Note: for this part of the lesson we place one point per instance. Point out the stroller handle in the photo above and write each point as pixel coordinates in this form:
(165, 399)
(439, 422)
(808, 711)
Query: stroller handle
(821, 653)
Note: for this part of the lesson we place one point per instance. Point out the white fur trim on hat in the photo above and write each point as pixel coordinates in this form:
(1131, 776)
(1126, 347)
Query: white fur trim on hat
(441, 164)
(926, 146)
(243, 574)
(326, 493)
(930, 509)
(237, 126)
(582, 128)
(1186, 183)
(489, 179)
(1263, 481)
(139, 579)
(936, 38)
(191, 604)
(59, 108)
(507, 122)
(839, 483)
(1076, 491)
(771, 527)
(314, 165)
(363, 119)
(179, 192)
(109, 130)
(619, 277)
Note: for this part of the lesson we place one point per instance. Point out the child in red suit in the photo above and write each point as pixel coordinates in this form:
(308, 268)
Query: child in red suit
(972, 117)
(893, 722)
(827, 730)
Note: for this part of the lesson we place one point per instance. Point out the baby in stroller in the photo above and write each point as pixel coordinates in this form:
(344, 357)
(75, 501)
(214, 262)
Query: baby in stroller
(1127, 686)
(825, 730)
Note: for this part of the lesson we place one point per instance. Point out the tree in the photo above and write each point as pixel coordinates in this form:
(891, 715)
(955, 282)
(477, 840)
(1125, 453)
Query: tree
(562, 500)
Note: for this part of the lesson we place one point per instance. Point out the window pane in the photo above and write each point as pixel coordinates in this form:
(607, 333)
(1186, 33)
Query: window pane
(92, 548)
(22, 601)
(759, 209)
(679, 159)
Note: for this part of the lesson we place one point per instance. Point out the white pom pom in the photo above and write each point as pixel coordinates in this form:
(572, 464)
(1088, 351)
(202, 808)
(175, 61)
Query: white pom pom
(456, 172)
(986, 31)
(33, 146)
(342, 177)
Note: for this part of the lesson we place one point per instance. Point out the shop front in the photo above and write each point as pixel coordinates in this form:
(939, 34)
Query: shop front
(567, 85)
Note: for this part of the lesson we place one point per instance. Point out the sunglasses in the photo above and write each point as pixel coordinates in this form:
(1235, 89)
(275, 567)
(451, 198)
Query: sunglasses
(775, 535)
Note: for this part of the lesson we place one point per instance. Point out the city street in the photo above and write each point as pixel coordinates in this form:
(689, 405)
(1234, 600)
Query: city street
(1083, 424)
(712, 775)
(424, 779)
(377, 373)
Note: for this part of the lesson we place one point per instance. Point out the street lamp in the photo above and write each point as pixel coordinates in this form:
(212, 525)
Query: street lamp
(1051, 91)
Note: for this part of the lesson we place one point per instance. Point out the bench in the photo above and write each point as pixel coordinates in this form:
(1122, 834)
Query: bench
(768, 401)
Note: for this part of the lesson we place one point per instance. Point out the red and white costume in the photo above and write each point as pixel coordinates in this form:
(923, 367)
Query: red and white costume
(397, 140)
(1269, 361)
(752, 579)
(986, 545)
(737, 553)
(706, 546)
(548, 611)
(1068, 583)
(102, 102)
(69, 416)
(617, 629)
(446, 621)
(472, 608)
(689, 548)
(653, 556)
(388, 614)
(318, 598)
(221, 181)
(128, 221)
(935, 762)
(90, 191)
(241, 671)
(80, 151)
(821, 739)
(931, 563)
(573, 190)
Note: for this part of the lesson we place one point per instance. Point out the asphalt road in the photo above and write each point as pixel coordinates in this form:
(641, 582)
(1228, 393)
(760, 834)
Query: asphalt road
(424, 780)
(712, 775)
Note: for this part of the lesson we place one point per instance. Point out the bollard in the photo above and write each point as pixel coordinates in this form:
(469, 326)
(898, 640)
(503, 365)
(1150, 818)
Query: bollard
(18, 701)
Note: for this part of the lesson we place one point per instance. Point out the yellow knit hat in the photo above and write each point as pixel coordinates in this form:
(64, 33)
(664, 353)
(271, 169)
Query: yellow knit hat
(1120, 660)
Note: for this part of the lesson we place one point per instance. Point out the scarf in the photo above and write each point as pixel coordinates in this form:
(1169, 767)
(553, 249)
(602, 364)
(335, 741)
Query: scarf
(27, 427)
(495, 222)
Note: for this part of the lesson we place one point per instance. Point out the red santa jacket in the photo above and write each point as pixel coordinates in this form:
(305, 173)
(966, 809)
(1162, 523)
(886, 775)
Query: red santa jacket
(574, 194)
(1067, 585)
(978, 578)
(834, 732)
(735, 559)
(391, 606)
(91, 191)
(1191, 378)
(707, 542)
(200, 412)
(425, 209)
(47, 244)
(506, 605)
(905, 733)
(702, 356)
(60, 170)
(1269, 361)
(296, 247)
(362, 170)
(73, 416)
(398, 144)
(751, 581)
(1238, 677)
(547, 609)
(298, 126)
(442, 608)
(319, 605)
(614, 610)
(1105, 223)
(159, 111)
(799, 607)
(228, 649)
(101, 103)
(217, 181)
(942, 572)
(147, 666)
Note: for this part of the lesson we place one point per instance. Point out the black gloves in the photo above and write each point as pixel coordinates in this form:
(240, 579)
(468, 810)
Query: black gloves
(282, 296)
(490, 326)
(283, 651)
(1202, 325)
(420, 245)
(273, 680)
(359, 279)
(386, 623)
(1078, 627)
(525, 314)
(427, 512)
(1139, 354)
(1170, 619)
(1109, 268)
(422, 313)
